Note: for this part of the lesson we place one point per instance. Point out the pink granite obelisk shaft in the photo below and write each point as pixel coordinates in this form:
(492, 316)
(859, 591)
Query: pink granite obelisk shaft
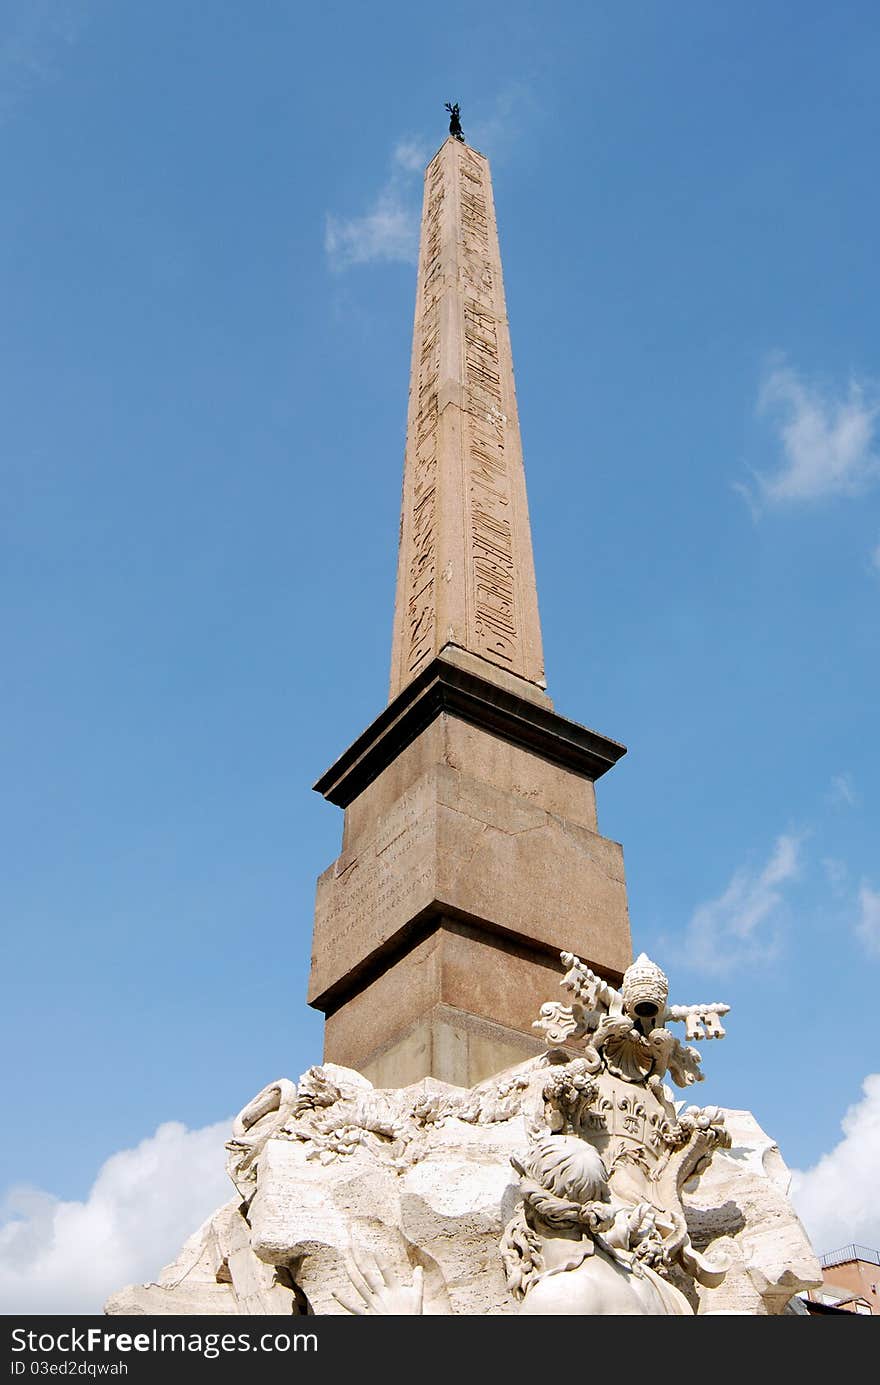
(466, 577)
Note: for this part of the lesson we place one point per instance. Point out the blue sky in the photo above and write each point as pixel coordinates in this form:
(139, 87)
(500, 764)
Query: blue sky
(207, 279)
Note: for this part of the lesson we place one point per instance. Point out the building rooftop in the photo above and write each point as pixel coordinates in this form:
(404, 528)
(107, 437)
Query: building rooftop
(848, 1253)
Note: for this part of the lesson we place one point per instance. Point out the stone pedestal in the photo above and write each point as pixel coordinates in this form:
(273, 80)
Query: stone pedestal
(470, 858)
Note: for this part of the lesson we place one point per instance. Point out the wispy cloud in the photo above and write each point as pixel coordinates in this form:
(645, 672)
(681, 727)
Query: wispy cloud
(837, 874)
(67, 1257)
(868, 925)
(837, 1198)
(743, 925)
(501, 125)
(875, 558)
(389, 230)
(411, 155)
(842, 793)
(34, 37)
(828, 442)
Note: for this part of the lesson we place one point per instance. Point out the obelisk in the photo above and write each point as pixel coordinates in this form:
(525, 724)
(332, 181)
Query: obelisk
(466, 578)
(471, 854)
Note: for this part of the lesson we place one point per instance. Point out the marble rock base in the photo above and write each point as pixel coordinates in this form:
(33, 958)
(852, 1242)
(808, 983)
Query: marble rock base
(422, 1177)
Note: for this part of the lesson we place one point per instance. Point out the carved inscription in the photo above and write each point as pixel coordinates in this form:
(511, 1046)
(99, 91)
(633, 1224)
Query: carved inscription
(493, 592)
(367, 898)
(476, 265)
(422, 464)
(469, 459)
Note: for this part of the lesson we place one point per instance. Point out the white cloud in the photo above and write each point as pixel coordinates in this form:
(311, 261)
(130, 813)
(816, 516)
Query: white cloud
(411, 155)
(829, 443)
(388, 232)
(390, 229)
(742, 925)
(837, 1198)
(875, 558)
(868, 926)
(842, 793)
(67, 1257)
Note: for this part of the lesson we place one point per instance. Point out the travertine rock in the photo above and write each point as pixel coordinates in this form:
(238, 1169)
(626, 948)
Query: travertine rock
(566, 1185)
(741, 1203)
(422, 1179)
(216, 1272)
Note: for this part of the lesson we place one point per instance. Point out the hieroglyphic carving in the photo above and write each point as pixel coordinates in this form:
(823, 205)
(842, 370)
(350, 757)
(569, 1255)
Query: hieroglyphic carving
(466, 575)
(492, 562)
(422, 465)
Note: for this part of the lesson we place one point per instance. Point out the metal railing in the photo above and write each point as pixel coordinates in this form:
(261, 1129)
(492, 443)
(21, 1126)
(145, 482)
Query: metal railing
(847, 1253)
